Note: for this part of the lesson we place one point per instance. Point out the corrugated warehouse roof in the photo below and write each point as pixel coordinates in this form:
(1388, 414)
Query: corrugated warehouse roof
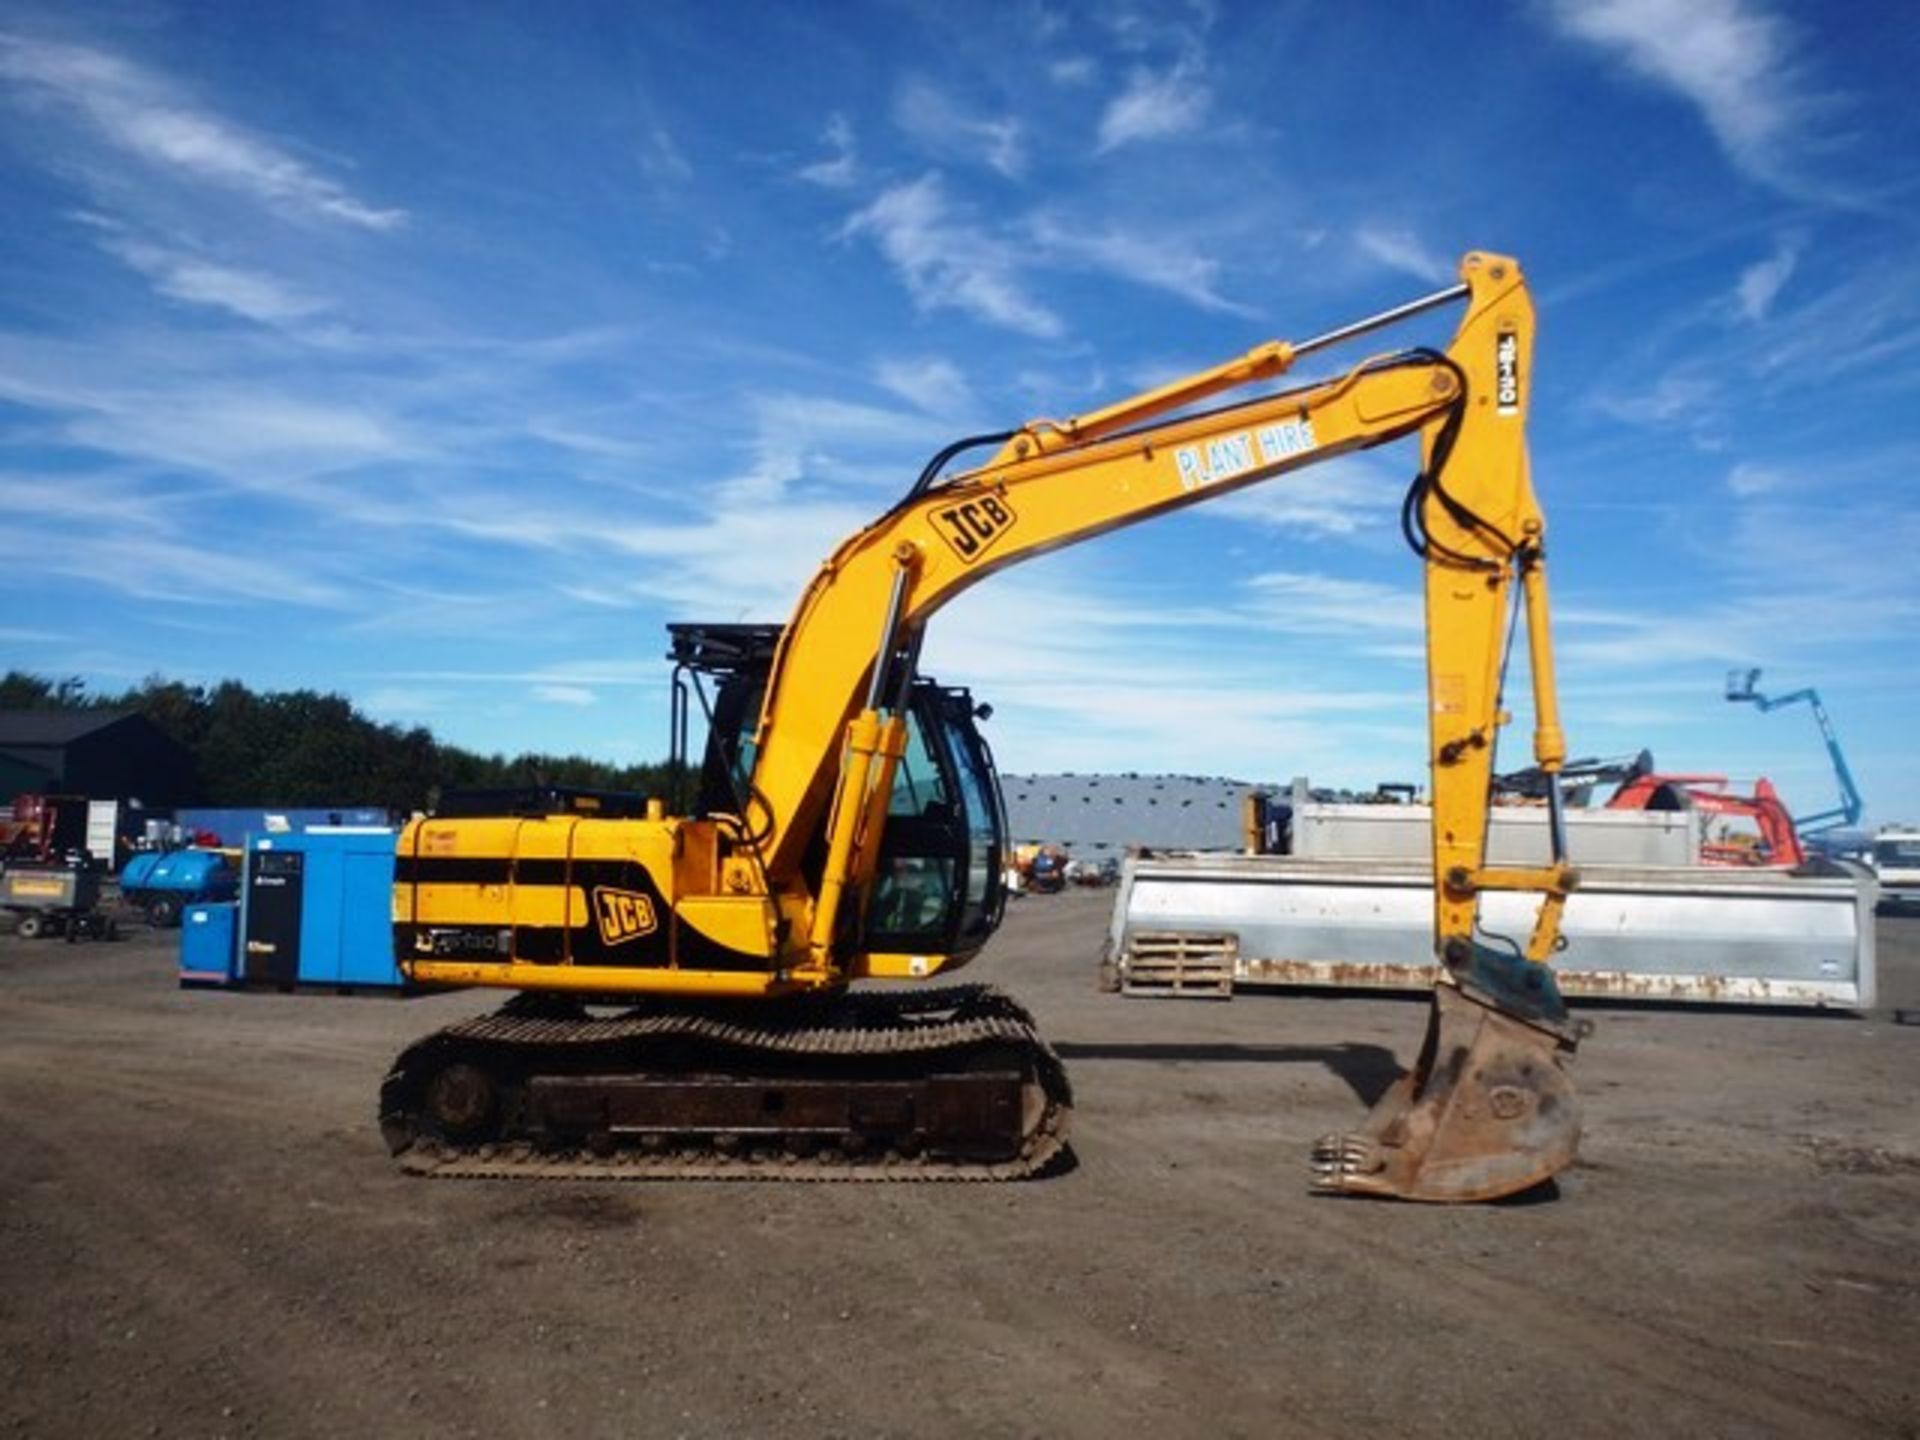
(1096, 816)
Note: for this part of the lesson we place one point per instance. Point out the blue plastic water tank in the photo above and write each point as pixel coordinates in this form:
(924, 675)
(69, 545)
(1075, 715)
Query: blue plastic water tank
(188, 874)
(133, 874)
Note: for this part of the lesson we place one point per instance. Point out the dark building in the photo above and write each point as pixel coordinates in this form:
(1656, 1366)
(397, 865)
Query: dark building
(102, 754)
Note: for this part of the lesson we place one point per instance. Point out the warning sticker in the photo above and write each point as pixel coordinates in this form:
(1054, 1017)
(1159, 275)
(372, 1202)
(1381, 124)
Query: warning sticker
(1449, 694)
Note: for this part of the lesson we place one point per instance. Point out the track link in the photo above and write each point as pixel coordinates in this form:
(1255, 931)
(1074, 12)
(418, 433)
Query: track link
(862, 1039)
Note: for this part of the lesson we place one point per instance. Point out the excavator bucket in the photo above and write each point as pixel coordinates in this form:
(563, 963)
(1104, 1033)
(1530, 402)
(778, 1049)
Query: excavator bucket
(1488, 1110)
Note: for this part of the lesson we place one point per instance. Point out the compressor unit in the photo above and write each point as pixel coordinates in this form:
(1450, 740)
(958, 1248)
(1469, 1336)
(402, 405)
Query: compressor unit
(315, 912)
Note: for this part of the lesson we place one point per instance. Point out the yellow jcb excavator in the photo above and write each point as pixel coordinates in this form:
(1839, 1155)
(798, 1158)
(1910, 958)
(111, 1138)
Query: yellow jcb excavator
(685, 1001)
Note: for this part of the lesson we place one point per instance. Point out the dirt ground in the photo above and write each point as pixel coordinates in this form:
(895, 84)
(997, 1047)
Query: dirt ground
(202, 1235)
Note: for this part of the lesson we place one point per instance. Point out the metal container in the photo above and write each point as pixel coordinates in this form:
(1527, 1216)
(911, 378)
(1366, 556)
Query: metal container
(1516, 835)
(1683, 933)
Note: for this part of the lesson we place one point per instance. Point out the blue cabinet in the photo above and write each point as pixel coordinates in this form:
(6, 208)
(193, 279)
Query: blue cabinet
(208, 952)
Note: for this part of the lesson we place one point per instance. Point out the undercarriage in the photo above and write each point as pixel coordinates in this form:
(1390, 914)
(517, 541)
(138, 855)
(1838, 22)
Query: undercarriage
(952, 1084)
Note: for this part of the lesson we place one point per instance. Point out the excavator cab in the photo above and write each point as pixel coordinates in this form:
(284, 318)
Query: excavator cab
(938, 887)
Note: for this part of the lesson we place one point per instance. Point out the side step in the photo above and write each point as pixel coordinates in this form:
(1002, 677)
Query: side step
(1179, 965)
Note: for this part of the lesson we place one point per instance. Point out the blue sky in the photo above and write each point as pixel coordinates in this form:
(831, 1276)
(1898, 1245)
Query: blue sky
(439, 354)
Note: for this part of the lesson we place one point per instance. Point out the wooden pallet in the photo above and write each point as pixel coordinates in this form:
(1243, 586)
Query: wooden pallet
(1173, 965)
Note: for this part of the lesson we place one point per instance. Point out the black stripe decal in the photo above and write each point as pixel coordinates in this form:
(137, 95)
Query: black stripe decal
(582, 945)
(459, 870)
(547, 945)
(438, 870)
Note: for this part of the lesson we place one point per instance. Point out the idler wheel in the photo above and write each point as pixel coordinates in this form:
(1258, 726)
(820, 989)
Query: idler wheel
(460, 1101)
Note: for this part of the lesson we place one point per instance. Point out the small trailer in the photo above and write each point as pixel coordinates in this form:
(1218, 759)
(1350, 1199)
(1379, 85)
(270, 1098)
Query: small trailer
(49, 900)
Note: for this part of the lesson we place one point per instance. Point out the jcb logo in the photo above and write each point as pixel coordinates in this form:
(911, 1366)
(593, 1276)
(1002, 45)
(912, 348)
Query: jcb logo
(623, 915)
(973, 525)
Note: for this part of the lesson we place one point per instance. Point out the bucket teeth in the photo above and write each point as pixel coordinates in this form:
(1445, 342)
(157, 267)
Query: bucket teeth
(1487, 1111)
(1343, 1163)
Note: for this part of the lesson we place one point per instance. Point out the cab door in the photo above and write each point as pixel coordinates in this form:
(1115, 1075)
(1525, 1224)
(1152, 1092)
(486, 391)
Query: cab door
(937, 885)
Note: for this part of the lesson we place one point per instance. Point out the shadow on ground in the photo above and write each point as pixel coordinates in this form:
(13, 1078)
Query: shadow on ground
(1367, 1069)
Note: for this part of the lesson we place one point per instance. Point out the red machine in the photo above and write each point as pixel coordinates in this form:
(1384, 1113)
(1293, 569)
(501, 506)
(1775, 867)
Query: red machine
(46, 881)
(42, 829)
(1772, 841)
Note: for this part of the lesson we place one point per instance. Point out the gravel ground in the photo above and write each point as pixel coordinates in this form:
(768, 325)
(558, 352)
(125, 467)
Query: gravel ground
(202, 1235)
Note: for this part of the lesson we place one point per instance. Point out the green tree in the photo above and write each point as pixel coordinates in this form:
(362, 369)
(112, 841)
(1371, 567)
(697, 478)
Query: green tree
(305, 748)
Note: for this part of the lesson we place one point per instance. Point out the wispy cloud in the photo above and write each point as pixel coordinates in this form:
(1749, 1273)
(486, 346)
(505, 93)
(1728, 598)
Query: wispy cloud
(841, 167)
(183, 276)
(252, 435)
(413, 450)
(1116, 675)
(402, 702)
(1073, 70)
(1156, 105)
(1398, 248)
(261, 411)
(178, 569)
(1733, 60)
(80, 500)
(1848, 564)
(1688, 396)
(1703, 639)
(576, 695)
(1761, 282)
(948, 262)
(810, 469)
(1312, 604)
(1173, 264)
(697, 568)
(949, 131)
(1747, 480)
(140, 114)
(660, 157)
(1865, 323)
(931, 383)
(1781, 331)
(643, 674)
(1787, 579)
(1340, 497)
